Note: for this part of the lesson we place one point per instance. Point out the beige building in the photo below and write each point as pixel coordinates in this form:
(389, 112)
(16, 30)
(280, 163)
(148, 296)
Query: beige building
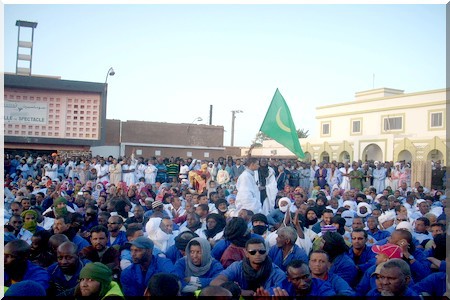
(380, 124)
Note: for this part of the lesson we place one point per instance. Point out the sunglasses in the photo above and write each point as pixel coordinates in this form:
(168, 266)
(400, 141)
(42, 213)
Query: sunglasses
(253, 252)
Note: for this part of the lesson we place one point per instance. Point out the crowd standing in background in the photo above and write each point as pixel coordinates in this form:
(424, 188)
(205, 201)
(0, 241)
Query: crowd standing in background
(134, 226)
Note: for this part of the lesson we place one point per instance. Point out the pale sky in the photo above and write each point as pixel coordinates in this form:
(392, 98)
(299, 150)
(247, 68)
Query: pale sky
(173, 61)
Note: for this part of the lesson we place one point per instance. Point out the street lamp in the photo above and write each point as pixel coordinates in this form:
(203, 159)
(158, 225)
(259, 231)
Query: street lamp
(109, 73)
(233, 116)
(197, 119)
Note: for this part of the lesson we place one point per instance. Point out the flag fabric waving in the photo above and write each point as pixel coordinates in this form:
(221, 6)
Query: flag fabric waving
(278, 124)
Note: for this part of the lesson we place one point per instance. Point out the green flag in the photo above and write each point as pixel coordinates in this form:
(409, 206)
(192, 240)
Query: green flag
(278, 124)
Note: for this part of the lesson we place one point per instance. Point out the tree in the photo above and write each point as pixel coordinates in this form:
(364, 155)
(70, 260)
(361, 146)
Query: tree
(259, 138)
(302, 133)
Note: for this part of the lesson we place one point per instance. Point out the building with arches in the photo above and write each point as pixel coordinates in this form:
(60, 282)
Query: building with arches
(378, 125)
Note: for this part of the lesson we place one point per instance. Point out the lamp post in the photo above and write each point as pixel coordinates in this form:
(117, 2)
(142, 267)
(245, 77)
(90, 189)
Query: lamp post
(197, 119)
(109, 73)
(233, 117)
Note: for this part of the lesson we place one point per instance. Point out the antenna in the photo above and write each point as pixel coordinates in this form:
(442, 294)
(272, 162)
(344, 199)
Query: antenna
(373, 81)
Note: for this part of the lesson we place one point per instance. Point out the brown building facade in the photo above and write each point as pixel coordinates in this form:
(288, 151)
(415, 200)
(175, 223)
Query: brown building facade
(149, 139)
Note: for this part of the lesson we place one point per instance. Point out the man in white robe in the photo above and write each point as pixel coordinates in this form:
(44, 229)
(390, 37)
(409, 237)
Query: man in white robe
(248, 194)
(379, 177)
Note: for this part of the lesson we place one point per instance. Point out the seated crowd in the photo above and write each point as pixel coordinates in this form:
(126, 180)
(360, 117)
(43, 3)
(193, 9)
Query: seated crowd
(128, 226)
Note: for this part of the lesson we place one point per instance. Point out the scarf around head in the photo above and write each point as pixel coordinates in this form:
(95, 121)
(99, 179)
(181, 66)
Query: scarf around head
(30, 225)
(254, 278)
(98, 272)
(220, 225)
(198, 271)
(60, 211)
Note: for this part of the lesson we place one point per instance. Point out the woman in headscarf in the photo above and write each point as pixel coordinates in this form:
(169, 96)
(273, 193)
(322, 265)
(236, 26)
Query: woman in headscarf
(215, 224)
(123, 208)
(198, 267)
(321, 204)
(222, 207)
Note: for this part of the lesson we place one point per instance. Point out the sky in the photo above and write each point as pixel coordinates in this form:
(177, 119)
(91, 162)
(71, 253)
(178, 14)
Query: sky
(173, 61)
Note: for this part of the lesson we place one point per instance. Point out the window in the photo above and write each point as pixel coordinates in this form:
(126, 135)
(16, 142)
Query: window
(436, 119)
(393, 123)
(326, 129)
(356, 126)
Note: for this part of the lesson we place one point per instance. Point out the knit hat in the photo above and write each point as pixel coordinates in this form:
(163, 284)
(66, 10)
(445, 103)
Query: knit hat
(390, 250)
(98, 272)
(156, 203)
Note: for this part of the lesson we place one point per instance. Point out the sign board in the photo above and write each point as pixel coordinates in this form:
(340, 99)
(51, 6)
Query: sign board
(26, 112)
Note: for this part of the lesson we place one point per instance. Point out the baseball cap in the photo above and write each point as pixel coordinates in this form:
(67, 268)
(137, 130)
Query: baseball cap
(143, 242)
(390, 250)
(378, 269)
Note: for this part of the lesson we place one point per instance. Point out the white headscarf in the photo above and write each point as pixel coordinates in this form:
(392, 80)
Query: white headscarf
(350, 203)
(286, 207)
(366, 205)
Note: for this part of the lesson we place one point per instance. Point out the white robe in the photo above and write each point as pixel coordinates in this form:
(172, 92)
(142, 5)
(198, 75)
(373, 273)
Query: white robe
(150, 174)
(128, 178)
(248, 195)
(161, 239)
(345, 184)
(271, 191)
(379, 179)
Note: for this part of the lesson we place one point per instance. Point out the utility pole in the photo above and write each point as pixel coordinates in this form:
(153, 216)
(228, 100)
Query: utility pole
(233, 117)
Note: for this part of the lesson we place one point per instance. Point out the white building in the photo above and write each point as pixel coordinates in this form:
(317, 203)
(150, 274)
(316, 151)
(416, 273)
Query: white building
(382, 124)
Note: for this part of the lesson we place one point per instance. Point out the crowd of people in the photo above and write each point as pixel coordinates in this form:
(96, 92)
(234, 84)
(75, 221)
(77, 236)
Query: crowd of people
(133, 226)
